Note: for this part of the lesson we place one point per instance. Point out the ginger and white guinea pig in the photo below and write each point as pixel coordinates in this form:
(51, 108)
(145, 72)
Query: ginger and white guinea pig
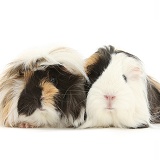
(44, 89)
(118, 92)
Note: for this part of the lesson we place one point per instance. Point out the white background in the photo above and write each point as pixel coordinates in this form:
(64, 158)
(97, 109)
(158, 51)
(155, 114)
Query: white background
(85, 25)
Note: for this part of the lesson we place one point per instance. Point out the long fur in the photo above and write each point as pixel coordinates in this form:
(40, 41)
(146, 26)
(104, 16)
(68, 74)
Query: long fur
(20, 79)
(154, 99)
(120, 75)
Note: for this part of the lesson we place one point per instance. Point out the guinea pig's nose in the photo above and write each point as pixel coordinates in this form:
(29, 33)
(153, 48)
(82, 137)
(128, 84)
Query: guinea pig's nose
(110, 97)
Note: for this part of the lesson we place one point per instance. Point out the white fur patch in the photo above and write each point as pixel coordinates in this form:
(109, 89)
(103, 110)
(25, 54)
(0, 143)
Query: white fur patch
(130, 106)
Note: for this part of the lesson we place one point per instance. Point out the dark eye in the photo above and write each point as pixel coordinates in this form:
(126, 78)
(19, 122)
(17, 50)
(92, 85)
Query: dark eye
(125, 78)
(53, 80)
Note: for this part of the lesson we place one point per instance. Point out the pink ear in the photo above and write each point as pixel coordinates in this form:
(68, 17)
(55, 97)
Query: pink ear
(136, 73)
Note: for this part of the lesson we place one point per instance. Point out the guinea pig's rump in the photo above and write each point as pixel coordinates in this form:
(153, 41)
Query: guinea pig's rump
(154, 99)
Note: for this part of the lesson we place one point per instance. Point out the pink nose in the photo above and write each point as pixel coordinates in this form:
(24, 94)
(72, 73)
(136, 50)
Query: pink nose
(109, 97)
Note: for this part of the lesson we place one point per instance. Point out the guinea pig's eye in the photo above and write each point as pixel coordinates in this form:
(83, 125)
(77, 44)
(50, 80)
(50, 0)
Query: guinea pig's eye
(53, 80)
(125, 78)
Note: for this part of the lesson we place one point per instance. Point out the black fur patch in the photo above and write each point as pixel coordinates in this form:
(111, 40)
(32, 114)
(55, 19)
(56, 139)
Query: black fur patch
(104, 58)
(96, 69)
(71, 97)
(128, 54)
(71, 88)
(29, 99)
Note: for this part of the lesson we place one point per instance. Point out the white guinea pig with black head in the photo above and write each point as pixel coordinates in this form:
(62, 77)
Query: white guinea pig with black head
(117, 95)
(44, 89)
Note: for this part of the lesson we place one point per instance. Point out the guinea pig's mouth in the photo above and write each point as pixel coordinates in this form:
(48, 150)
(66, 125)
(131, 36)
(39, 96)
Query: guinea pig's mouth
(110, 108)
(42, 109)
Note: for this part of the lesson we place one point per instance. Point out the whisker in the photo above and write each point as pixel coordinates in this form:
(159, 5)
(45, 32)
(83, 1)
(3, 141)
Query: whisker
(71, 94)
(68, 89)
(61, 110)
(81, 102)
(25, 106)
(80, 91)
(58, 71)
(77, 85)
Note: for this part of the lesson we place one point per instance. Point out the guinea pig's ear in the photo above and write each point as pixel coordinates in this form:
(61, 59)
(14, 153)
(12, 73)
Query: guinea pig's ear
(135, 73)
(27, 75)
(18, 68)
(153, 89)
(17, 72)
(14, 70)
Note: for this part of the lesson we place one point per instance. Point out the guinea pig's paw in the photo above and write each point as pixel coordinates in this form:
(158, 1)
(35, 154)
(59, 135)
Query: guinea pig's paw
(140, 126)
(143, 126)
(77, 123)
(86, 125)
(25, 125)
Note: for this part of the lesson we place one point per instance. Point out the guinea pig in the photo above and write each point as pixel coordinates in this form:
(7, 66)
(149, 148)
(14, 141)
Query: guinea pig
(44, 89)
(117, 92)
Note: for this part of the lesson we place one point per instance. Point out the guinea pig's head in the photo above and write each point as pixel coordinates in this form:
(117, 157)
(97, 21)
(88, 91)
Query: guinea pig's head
(117, 95)
(47, 92)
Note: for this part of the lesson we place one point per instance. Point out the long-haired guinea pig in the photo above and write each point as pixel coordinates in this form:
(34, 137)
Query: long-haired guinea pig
(44, 90)
(117, 94)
